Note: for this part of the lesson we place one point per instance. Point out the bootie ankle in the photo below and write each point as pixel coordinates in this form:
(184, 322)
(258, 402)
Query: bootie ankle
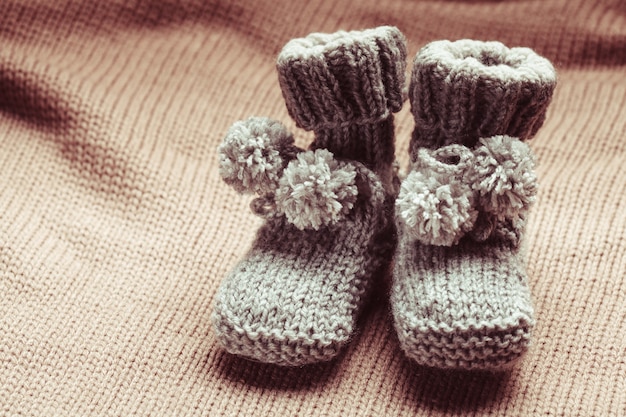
(460, 296)
(295, 297)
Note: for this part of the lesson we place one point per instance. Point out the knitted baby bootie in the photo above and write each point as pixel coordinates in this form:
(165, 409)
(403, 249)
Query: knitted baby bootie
(295, 297)
(460, 296)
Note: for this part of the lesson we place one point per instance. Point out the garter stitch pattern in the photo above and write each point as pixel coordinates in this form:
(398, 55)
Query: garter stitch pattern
(295, 297)
(460, 297)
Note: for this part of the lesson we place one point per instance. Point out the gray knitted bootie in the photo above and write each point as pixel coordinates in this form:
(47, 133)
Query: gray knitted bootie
(460, 296)
(295, 297)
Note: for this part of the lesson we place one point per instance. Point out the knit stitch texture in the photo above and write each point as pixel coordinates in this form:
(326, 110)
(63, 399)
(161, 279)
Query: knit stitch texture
(117, 229)
(295, 297)
(460, 295)
(465, 90)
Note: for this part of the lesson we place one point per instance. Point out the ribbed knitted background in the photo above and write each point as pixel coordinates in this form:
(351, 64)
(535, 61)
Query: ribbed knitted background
(115, 228)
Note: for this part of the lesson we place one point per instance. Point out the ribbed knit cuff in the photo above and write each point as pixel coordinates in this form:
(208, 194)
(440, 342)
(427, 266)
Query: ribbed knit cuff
(333, 80)
(465, 90)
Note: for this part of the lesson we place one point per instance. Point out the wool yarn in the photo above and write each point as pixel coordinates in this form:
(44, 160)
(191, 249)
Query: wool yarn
(345, 87)
(295, 297)
(459, 296)
(465, 90)
(435, 204)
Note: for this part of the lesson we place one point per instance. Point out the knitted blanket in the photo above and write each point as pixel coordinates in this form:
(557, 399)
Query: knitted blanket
(116, 229)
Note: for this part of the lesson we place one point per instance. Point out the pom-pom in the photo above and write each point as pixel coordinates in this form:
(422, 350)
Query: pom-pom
(316, 190)
(254, 153)
(433, 211)
(503, 176)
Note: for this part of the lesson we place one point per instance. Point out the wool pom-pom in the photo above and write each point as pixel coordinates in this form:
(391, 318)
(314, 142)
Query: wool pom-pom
(316, 190)
(433, 211)
(503, 176)
(254, 153)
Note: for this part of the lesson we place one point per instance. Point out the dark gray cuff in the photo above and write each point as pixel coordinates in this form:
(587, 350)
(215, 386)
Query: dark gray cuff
(465, 90)
(332, 80)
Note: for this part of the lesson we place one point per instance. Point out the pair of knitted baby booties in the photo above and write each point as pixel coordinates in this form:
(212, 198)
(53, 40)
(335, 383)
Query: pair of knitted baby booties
(337, 214)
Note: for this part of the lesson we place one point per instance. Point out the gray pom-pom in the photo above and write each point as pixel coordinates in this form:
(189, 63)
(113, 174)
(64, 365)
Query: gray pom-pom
(254, 153)
(316, 190)
(503, 176)
(434, 211)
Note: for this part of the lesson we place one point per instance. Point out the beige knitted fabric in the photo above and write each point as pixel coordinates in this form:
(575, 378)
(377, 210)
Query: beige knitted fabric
(116, 229)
